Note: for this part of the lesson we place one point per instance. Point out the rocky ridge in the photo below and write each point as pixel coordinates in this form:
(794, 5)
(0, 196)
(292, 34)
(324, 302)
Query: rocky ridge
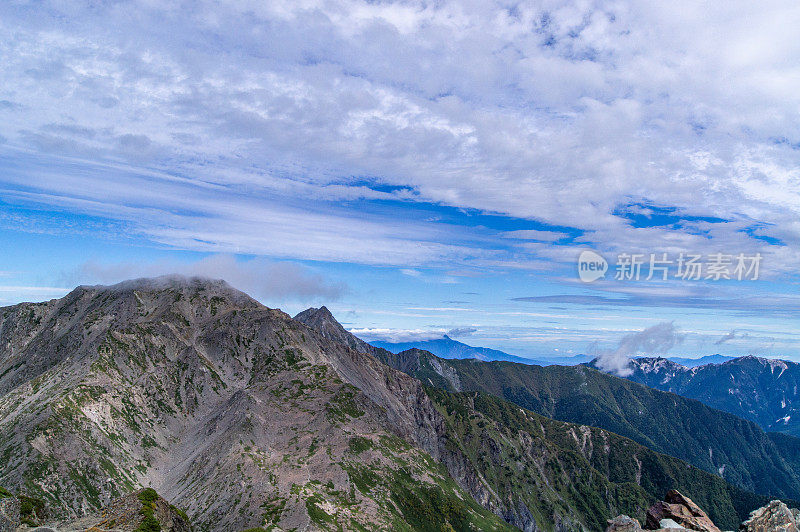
(236, 412)
(679, 513)
(140, 511)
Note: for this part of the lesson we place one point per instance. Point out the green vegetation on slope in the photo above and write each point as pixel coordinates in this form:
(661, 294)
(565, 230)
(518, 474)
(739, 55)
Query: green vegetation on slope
(712, 440)
(148, 497)
(561, 470)
(412, 492)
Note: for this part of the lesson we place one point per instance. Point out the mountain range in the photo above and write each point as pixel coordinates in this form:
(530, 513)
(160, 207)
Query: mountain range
(449, 348)
(246, 418)
(761, 390)
(700, 361)
(708, 438)
(713, 440)
(446, 347)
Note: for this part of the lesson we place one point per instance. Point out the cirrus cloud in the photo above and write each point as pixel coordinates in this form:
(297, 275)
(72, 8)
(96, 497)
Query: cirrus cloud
(559, 112)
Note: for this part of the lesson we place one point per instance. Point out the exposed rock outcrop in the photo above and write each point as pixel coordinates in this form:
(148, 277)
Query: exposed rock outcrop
(682, 510)
(19, 511)
(775, 517)
(141, 510)
(623, 523)
(678, 513)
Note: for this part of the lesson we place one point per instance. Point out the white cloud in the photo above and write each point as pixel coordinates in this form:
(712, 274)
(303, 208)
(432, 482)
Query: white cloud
(397, 335)
(726, 337)
(269, 281)
(653, 341)
(559, 111)
(533, 234)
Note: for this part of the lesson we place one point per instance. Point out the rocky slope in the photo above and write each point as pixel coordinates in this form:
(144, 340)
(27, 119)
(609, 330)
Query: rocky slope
(235, 412)
(764, 391)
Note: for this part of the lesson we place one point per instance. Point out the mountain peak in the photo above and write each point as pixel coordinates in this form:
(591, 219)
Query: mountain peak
(321, 320)
(195, 288)
(319, 315)
(163, 282)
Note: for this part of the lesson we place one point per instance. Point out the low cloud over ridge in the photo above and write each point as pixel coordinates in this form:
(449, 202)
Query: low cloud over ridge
(261, 278)
(655, 340)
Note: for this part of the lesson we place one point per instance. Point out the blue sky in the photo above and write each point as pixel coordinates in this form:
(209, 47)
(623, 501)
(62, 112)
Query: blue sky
(417, 167)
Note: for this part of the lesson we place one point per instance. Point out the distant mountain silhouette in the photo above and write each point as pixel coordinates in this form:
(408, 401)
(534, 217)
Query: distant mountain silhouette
(446, 347)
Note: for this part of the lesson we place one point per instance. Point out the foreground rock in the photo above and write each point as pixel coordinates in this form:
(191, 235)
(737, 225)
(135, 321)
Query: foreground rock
(682, 510)
(142, 510)
(623, 523)
(678, 513)
(775, 517)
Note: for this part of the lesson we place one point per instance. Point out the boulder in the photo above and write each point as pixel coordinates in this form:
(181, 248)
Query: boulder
(623, 523)
(682, 510)
(774, 517)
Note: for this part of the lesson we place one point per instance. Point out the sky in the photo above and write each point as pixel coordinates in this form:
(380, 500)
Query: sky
(421, 168)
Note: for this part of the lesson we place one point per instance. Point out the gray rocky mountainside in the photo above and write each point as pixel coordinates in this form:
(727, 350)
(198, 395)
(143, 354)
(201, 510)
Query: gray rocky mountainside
(245, 417)
(232, 411)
